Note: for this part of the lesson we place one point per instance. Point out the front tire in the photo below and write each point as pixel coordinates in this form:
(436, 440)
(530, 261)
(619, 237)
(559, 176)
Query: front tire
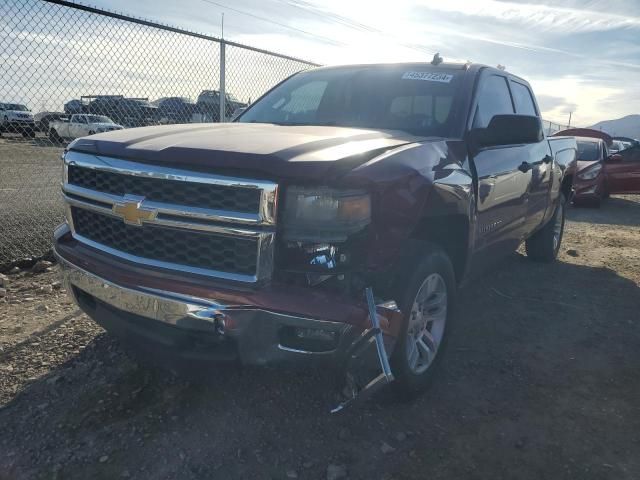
(544, 245)
(426, 291)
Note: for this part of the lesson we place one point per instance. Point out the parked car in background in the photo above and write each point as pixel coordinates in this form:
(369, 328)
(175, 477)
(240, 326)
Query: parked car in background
(80, 125)
(129, 112)
(17, 118)
(622, 170)
(43, 119)
(617, 146)
(392, 183)
(628, 141)
(589, 183)
(174, 109)
(74, 106)
(606, 166)
(209, 104)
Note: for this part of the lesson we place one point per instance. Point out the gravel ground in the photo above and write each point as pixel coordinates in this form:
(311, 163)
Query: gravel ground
(541, 381)
(30, 175)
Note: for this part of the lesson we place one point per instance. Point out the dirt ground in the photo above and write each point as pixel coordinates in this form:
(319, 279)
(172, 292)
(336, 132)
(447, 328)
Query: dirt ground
(30, 199)
(541, 381)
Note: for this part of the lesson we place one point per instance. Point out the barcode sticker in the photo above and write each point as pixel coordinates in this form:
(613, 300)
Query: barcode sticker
(428, 76)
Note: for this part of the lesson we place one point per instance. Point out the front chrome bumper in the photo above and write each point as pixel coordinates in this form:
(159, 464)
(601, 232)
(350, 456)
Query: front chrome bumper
(257, 334)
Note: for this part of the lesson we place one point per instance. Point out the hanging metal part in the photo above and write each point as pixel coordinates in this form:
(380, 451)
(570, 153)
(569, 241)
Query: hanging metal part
(373, 335)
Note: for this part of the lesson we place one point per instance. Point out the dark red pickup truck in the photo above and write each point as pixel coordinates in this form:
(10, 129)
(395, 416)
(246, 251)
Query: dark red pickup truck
(258, 239)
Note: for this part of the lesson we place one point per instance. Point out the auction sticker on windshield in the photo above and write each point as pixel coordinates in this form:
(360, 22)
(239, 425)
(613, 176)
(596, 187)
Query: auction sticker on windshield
(428, 76)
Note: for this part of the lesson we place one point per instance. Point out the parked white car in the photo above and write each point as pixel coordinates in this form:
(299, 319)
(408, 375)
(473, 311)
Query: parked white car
(81, 125)
(16, 118)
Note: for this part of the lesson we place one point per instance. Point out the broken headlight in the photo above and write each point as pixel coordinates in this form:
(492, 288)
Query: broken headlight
(591, 172)
(323, 214)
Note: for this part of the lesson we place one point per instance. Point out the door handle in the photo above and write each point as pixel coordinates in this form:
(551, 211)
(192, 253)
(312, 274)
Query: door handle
(524, 167)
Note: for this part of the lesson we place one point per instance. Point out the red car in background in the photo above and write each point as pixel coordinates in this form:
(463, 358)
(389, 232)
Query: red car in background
(601, 173)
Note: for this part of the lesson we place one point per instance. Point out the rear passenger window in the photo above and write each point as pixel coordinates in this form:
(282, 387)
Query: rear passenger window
(523, 100)
(494, 99)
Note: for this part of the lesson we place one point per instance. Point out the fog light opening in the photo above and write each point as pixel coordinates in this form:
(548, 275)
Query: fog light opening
(306, 339)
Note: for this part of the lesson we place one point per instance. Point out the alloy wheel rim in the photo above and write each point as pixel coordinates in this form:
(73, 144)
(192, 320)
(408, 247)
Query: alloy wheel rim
(427, 321)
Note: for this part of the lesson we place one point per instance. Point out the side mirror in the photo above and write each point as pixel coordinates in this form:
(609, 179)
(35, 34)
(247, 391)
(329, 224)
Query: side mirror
(615, 158)
(508, 130)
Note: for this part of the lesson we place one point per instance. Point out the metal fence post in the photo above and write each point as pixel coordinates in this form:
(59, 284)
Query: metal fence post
(223, 96)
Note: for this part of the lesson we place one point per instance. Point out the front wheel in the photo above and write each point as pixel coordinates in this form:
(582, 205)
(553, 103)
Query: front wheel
(426, 294)
(54, 137)
(544, 245)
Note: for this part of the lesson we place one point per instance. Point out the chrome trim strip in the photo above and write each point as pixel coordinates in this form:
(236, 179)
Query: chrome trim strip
(169, 208)
(236, 277)
(305, 352)
(268, 199)
(160, 221)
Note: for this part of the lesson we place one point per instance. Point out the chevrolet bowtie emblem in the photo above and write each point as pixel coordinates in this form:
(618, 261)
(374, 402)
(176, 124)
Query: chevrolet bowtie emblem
(132, 211)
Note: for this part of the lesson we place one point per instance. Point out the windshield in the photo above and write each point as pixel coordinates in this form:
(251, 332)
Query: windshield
(588, 151)
(98, 119)
(415, 99)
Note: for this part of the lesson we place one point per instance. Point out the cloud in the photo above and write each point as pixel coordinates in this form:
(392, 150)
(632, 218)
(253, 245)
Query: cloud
(565, 20)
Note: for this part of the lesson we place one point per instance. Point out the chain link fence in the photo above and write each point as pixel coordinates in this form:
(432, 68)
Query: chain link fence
(70, 70)
(552, 127)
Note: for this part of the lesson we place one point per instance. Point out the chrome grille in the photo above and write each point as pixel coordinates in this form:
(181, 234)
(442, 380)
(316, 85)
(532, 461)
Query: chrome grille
(172, 218)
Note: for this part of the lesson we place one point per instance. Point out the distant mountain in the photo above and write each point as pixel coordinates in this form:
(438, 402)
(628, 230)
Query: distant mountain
(628, 126)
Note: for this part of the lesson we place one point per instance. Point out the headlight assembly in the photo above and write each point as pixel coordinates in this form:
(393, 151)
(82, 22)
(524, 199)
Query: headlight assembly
(322, 214)
(591, 172)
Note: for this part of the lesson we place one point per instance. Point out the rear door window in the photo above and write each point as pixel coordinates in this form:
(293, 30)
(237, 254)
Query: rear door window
(523, 99)
(493, 99)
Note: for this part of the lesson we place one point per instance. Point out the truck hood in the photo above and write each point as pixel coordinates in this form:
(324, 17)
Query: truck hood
(272, 151)
(17, 114)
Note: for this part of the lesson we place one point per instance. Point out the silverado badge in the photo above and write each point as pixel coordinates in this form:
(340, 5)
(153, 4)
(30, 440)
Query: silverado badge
(132, 211)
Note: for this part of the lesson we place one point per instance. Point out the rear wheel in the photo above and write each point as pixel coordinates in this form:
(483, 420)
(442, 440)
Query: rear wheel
(426, 294)
(544, 245)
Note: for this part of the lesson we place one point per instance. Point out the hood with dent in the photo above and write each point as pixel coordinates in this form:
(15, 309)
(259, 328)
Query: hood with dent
(275, 151)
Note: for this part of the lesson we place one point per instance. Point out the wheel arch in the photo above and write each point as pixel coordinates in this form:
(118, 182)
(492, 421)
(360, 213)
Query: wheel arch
(451, 233)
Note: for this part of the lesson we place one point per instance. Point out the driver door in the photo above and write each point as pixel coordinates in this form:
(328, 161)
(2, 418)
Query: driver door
(502, 186)
(77, 126)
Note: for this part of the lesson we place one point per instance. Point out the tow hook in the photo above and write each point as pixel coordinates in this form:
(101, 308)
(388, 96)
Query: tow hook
(373, 335)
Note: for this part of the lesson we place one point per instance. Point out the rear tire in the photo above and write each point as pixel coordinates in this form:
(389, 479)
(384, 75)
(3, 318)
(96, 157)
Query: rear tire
(425, 293)
(544, 245)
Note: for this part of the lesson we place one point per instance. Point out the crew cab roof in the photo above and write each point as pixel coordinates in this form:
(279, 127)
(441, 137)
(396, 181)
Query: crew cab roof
(472, 68)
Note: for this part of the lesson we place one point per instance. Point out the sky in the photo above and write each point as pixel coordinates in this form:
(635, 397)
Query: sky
(580, 56)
